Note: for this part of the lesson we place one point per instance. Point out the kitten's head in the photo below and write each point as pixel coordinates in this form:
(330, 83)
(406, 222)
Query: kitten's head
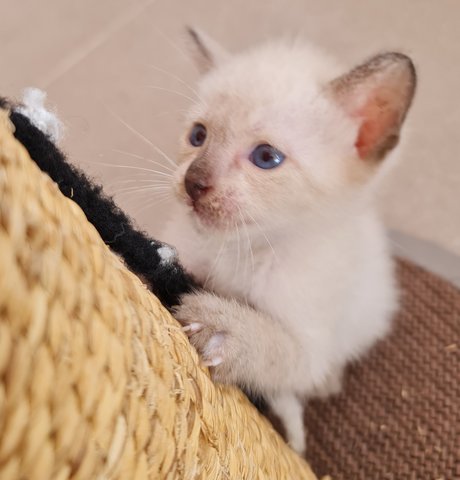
(279, 130)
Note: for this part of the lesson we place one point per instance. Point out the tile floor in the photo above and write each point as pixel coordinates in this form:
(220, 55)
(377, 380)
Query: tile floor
(100, 61)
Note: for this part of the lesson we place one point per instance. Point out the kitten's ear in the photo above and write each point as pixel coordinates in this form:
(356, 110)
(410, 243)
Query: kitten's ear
(378, 94)
(206, 52)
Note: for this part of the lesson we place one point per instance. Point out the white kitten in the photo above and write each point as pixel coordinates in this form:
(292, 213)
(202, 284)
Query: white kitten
(275, 215)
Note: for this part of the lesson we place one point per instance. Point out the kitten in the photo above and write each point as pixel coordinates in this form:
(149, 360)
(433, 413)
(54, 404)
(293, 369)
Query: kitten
(275, 215)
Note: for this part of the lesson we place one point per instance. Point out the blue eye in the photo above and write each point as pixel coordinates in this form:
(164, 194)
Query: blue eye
(265, 156)
(197, 135)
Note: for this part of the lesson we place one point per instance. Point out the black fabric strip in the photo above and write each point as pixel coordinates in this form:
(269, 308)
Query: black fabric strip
(139, 251)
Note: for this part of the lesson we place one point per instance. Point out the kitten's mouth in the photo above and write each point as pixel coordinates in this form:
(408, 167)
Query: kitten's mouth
(215, 210)
(205, 216)
(216, 214)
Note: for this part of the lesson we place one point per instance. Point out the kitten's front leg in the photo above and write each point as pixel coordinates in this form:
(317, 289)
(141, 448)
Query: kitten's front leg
(241, 345)
(289, 408)
(247, 348)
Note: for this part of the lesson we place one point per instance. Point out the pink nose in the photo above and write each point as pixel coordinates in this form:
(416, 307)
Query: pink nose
(195, 187)
(195, 190)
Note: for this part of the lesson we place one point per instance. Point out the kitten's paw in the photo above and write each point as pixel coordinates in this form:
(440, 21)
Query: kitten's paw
(289, 409)
(204, 318)
(331, 386)
(211, 344)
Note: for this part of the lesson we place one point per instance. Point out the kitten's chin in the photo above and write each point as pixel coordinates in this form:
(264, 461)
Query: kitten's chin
(215, 213)
(204, 222)
(208, 219)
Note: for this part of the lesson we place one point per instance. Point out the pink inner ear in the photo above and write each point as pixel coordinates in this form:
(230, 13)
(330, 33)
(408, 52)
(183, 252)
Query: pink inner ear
(379, 117)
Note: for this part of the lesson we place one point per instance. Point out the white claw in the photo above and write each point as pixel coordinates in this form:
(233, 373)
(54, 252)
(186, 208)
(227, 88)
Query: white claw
(192, 327)
(212, 362)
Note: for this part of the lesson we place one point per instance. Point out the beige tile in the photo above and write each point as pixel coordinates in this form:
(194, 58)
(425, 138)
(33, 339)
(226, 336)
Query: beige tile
(428, 255)
(94, 56)
(40, 39)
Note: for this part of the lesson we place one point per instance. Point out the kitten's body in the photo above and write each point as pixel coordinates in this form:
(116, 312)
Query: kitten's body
(330, 288)
(296, 255)
(330, 283)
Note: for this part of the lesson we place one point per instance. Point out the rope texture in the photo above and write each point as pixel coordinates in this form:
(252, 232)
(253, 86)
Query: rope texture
(97, 380)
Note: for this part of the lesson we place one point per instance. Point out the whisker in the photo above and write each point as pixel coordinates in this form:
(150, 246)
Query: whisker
(264, 235)
(170, 90)
(248, 237)
(146, 185)
(217, 259)
(169, 112)
(140, 157)
(173, 44)
(142, 137)
(141, 180)
(397, 245)
(166, 157)
(157, 201)
(114, 186)
(138, 176)
(150, 188)
(237, 267)
(176, 77)
(246, 257)
(133, 168)
(158, 195)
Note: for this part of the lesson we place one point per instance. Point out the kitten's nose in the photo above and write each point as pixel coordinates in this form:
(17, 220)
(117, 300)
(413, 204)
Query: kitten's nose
(195, 188)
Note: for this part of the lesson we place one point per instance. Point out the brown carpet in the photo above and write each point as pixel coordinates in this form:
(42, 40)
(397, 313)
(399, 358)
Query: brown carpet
(399, 414)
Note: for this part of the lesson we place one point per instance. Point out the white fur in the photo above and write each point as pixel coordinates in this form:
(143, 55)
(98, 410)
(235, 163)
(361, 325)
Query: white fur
(289, 409)
(33, 107)
(313, 277)
(167, 254)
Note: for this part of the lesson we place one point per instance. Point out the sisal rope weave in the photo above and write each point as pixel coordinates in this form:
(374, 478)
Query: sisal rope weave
(398, 417)
(97, 380)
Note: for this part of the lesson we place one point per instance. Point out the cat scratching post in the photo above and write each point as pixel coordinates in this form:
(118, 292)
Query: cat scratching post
(97, 380)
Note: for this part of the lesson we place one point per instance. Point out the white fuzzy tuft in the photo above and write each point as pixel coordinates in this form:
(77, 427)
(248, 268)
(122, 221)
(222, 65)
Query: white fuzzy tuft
(167, 254)
(33, 107)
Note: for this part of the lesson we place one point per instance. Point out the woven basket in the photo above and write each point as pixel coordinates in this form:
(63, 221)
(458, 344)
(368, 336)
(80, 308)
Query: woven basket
(97, 380)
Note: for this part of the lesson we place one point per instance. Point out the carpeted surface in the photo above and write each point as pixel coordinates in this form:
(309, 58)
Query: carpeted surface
(399, 414)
